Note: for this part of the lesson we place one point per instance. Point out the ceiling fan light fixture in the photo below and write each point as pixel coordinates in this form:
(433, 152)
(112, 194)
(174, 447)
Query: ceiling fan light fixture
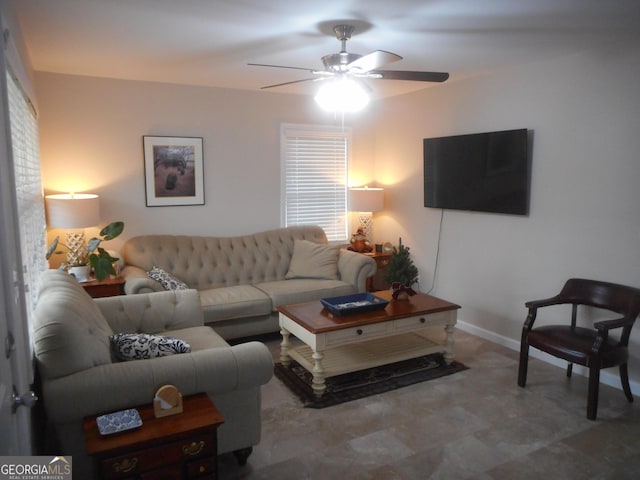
(342, 94)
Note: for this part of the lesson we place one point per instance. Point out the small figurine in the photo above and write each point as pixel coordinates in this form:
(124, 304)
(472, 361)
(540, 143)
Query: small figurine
(359, 242)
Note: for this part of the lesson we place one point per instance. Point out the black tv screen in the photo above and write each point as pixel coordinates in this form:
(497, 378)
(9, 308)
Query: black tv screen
(486, 172)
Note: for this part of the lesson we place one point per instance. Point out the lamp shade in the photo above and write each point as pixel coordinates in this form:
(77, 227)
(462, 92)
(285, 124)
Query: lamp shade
(366, 199)
(73, 210)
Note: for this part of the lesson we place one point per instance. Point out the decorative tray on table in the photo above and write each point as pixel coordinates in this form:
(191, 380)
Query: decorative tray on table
(357, 303)
(118, 421)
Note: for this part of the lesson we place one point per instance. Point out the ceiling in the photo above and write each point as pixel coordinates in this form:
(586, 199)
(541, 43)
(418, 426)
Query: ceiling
(210, 42)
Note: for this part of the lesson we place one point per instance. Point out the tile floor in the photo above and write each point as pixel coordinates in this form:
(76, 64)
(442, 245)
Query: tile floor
(477, 424)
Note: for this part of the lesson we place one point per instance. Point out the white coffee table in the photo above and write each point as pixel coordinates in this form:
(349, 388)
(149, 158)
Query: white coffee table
(334, 344)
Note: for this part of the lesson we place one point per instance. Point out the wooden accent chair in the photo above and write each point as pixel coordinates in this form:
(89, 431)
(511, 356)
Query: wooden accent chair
(591, 347)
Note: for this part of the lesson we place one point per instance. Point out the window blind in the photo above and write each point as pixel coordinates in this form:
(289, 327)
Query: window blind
(28, 187)
(314, 177)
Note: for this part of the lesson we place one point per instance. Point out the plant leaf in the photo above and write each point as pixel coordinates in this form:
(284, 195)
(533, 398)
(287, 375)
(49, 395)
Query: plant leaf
(112, 230)
(102, 266)
(52, 247)
(93, 244)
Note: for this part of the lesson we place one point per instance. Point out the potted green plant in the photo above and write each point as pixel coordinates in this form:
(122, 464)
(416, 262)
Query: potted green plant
(93, 257)
(401, 273)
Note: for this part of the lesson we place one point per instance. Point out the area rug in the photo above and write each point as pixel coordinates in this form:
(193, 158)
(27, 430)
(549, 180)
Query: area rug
(352, 386)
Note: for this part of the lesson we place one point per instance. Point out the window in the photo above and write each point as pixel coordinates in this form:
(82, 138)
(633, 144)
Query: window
(315, 163)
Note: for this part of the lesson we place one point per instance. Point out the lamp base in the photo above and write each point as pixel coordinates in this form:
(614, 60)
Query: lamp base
(76, 244)
(366, 223)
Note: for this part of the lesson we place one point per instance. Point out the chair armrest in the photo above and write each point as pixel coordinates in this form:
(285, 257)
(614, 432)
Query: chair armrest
(606, 325)
(546, 302)
(116, 386)
(136, 280)
(355, 268)
(152, 312)
(533, 307)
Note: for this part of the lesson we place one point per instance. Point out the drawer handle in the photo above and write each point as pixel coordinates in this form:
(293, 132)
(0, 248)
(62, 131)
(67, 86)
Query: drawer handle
(359, 331)
(422, 319)
(126, 465)
(194, 448)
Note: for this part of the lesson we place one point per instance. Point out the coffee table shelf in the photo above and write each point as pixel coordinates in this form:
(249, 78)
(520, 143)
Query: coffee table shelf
(369, 354)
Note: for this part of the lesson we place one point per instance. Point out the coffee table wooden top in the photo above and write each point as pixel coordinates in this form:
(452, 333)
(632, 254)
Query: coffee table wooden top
(317, 319)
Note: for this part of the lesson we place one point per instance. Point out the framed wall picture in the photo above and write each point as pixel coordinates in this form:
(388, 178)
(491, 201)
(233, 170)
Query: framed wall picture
(173, 171)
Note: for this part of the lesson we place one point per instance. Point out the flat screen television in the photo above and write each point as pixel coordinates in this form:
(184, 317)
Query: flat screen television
(485, 172)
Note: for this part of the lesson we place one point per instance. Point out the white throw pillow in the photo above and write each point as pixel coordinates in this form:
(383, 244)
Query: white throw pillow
(168, 281)
(139, 346)
(313, 260)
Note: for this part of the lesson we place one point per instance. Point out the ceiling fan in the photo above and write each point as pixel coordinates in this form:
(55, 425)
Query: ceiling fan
(359, 66)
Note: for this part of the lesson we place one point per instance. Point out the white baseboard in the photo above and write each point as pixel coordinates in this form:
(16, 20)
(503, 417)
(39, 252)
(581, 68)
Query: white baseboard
(607, 378)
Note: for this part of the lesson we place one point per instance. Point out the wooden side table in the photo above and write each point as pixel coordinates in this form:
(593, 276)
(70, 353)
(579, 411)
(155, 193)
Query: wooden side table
(376, 282)
(110, 287)
(182, 446)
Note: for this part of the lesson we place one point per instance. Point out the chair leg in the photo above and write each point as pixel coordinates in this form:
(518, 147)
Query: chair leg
(624, 378)
(524, 362)
(592, 400)
(569, 370)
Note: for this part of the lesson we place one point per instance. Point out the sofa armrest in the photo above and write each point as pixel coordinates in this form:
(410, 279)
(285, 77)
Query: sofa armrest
(355, 268)
(136, 280)
(116, 386)
(152, 312)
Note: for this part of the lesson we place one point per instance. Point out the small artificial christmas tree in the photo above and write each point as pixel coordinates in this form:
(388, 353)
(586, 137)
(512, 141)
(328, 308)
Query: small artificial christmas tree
(401, 273)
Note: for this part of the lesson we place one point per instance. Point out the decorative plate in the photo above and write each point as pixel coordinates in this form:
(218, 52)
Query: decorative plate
(119, 421)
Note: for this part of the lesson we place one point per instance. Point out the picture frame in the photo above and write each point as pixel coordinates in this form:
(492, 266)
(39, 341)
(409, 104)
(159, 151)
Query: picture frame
(173, 171)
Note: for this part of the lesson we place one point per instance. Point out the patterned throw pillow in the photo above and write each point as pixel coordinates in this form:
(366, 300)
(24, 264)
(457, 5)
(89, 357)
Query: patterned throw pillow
(168, 281)
(138, 346)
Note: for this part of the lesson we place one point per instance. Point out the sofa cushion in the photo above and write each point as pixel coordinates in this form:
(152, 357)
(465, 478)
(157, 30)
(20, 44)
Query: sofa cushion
(168, 281)
(138, 346)
(239, 301)
(284, 292)
(313, 260)
(200, 338)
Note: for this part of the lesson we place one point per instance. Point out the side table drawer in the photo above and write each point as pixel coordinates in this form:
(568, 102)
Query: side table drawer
(171, 472)
(154, 457)
(349, 335)
(198, 468)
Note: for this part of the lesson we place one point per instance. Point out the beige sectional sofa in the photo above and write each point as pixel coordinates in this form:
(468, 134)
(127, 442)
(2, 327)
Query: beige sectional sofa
(241, 280)
(79, 376)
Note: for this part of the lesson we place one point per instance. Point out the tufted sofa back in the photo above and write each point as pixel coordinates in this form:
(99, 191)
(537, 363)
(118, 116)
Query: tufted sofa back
(70, 333)
(213, 262)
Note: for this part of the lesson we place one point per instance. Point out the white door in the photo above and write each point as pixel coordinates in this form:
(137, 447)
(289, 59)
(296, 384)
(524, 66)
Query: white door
(15, 365)
(7, 420)
(15, 354)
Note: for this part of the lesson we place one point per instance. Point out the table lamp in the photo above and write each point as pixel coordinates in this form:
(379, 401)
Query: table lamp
(365, 201)
(73, 211)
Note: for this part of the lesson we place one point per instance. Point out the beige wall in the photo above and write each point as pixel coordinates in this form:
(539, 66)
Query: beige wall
(584, 112)
(91, 141)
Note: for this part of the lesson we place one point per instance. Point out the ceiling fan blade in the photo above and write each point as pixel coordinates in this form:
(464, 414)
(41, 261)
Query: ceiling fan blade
(372, 61)
(280, 66)
(413, 76)
(288, 83)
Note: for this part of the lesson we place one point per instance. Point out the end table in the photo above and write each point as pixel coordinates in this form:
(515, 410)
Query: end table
(109, 287)
(181, 446)
(376, 282)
